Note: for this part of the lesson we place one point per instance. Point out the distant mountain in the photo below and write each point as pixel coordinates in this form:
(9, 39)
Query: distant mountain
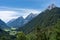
(30, 17)
(16, 22)
(20, 21)
(10, 21)
(47, 18)
(3, 25)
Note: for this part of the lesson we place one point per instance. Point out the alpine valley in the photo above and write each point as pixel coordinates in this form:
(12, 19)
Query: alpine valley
(44, 26)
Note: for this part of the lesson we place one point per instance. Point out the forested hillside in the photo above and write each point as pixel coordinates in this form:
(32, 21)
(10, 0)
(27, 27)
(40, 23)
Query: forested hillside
(45, 19)
(45, 26)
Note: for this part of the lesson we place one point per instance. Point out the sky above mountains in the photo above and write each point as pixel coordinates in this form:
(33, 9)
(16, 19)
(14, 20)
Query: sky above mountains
(10, 9)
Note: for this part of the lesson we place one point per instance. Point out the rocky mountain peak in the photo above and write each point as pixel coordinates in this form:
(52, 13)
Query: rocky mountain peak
(51, 6)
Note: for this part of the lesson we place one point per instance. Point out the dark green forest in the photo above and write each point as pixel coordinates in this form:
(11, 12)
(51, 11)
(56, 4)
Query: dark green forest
(46, 26)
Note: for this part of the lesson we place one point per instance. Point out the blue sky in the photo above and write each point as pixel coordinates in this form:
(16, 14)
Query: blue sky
(10, 9)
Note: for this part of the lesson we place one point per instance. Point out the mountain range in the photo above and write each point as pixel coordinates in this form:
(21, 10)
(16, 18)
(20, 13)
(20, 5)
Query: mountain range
(20, 21)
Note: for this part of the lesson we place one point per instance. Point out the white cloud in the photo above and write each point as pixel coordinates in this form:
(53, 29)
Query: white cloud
(7, 13)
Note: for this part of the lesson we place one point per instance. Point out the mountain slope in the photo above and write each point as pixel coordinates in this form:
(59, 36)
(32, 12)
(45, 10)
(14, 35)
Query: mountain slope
(17, 22)
(10, 21)
(45, 19)
(3, 25)
(29, 17)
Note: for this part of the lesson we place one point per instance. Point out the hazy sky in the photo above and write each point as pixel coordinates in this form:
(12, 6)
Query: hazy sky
(10, 9)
